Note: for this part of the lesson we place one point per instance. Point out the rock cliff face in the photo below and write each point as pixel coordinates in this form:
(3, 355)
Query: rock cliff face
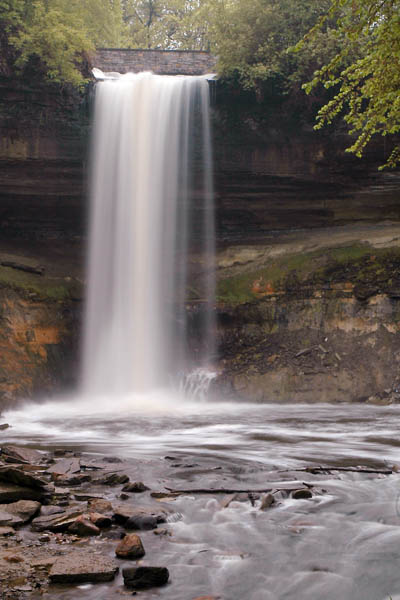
(318, 325)
(308, 263)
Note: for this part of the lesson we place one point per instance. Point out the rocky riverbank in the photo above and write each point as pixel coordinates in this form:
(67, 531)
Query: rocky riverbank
(68, 518)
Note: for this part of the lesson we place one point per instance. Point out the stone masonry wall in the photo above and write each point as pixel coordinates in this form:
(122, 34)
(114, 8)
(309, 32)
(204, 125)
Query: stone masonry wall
(162, 62)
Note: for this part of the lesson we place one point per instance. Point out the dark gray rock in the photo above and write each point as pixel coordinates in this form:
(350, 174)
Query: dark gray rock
(113, 479)
(144, 522)
(4, 426)
(83, 567)
(137, 578)
(300, 494)
(135, 487)
(12, 493)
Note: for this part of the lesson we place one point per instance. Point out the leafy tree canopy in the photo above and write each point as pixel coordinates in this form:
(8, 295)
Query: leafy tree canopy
(364, 74)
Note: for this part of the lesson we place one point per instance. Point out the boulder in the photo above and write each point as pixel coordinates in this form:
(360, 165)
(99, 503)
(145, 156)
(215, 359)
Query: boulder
(6, 531)
(83, 527)
(135, 487)
(56, 523)
(21, 455)
(9, 520)
(267, 501)
(113, 479)
(130, 547)
(100, 520)
(4, 426)
(123, 512)
(82, 567)
(140, 521)
(300, 494)
(138, 578)
(99, 505)
(20, 477)
(12, 493)
(24, 509)
(71, 479)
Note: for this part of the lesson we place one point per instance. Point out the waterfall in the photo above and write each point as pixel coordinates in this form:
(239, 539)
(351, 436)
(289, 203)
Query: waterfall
(151, 207)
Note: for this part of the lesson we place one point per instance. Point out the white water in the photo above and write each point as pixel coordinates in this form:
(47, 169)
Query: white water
(151, 148)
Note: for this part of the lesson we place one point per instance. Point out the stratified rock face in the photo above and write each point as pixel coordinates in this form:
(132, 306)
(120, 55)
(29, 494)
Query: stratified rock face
(36, 343)
(296, 328)
(82, 567)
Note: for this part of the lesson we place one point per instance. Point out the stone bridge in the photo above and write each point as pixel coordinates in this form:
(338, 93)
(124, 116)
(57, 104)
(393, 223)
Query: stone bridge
(162, 62)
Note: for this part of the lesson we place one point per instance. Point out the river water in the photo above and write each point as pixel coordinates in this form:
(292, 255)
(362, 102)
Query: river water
(343, 543)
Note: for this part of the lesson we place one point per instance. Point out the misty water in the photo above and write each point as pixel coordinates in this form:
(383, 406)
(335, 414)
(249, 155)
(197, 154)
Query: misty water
(342, 543)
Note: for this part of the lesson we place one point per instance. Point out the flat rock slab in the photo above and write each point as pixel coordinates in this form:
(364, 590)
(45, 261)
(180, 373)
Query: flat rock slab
(82, 567)
(23, 455)
(9, 520)
(12, 493)
(56, 522)
(19, 477)
(23, 509)
(66, 466)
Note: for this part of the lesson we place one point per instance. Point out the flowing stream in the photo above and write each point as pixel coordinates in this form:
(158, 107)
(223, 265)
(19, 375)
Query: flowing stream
(344, 543)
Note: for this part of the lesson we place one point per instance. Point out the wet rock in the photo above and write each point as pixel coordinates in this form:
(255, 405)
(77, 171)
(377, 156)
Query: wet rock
(300, 494)
(20, 477)
(124, 496)
(86, 496)
(130, 547)
(143, 522)
(99, 505)
(82, 567)
(66, 466)
(227, 500)
(4, 426)
(46, 511)
(100, 520)
(112, 459)
(113, 479)
(56, 523)
(9, 520)
(13, 493)
(21, 455)
(25, 510)
(162, 532)
(267, 501)
(83, 527)
(135, 487)
(207, 598)
(137, 578)
(123, 512)
(71, 480)
(6, 531)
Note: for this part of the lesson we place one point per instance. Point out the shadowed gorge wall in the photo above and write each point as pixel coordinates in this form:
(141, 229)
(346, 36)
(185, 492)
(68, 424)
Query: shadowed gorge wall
(277, 182)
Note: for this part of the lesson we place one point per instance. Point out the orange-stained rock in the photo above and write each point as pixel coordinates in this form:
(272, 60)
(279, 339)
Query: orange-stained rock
(130, 547)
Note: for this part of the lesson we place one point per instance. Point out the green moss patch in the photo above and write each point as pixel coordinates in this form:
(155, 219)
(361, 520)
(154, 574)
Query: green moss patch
(38, 285)
(358, 264)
